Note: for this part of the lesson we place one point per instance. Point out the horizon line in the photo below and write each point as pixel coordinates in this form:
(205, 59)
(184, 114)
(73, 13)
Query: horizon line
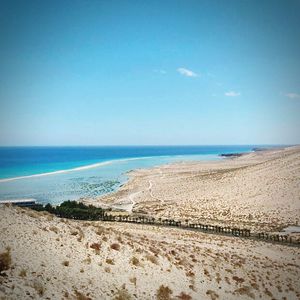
(148, 145)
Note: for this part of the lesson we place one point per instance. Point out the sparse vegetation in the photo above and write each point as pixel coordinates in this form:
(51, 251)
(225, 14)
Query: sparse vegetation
(227, 280)
(99, 230)
(23, 273)
(245, 290)
(54, 229)
(32, 214)
(81, 296)
(66, 294)
(49, 217)
(206, 273)
(190, 274)
(135, 261)
(39, 287)
(5, 260)
(80, 234)
(216, 275)
(122, 294)
(154, 250)
(213, 295)
(164, 293)
(133, 280)
(152, 258)
(115, 246)
(96, 247)
(184, 296)
(66, 263)
(110, 261)
(238, 279)
(268, 293)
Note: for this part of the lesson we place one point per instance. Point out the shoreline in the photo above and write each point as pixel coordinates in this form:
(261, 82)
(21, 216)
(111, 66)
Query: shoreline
(87, 167)
(42, 184)
(149, 192)
(81, 168)
(113, 259)
(129, 207)
(110, 161)
(130, 174)
(129, 204)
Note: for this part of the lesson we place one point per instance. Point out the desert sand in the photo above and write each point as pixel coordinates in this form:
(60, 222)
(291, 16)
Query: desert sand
(54, 258)
(61, 259)
(259, 191)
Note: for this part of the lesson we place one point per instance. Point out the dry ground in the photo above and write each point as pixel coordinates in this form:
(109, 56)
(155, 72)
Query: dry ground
(259, 191)
(55, 258)
(42, 256)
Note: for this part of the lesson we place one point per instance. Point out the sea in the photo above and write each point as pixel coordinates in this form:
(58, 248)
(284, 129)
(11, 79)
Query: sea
(55, 174)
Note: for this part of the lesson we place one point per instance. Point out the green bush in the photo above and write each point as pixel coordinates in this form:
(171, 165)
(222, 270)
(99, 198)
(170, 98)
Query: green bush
(73, 210)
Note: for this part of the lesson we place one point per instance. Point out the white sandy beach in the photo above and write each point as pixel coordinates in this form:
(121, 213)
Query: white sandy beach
(259, 191)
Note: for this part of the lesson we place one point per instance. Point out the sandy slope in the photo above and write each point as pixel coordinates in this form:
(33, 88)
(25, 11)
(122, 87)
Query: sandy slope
(259, 191)
(55, 259)
(63, 259)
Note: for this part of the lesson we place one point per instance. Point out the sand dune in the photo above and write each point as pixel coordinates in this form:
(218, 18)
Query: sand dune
(62, 259)
(259, 191)
(45, 257)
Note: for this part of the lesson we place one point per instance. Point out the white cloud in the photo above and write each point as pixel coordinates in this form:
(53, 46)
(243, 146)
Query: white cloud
(232, 94)
(293, 95)
(186, 72)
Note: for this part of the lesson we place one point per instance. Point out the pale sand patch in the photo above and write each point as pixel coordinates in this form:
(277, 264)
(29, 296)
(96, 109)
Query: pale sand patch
(63, 259)
(259, 191)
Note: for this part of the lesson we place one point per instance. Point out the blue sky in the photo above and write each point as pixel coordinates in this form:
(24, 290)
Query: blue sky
(149, 72)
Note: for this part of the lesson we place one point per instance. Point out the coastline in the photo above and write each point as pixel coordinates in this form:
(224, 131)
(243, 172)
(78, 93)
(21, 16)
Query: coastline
(129, 152)
(85, 167)
(211, 191)
(111, 260)
(96, 178)
(103, 163)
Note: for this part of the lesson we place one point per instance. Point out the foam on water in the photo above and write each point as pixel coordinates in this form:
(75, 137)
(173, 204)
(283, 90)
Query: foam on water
(58, 174)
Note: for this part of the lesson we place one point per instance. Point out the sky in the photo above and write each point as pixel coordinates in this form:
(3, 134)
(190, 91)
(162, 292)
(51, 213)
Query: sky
(149, 72)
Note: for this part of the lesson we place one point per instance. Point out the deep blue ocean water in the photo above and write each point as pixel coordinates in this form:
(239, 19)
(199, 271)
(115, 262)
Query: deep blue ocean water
(62, 173)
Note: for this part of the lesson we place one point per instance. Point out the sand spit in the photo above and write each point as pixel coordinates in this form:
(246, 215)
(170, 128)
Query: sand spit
(55, 258)
(259, 191)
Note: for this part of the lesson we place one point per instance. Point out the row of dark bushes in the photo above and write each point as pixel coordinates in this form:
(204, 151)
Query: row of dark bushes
(73, 210)
(79, 211)
(275, 237)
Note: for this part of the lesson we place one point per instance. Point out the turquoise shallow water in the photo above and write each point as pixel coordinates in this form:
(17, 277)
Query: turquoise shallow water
(55, 174)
